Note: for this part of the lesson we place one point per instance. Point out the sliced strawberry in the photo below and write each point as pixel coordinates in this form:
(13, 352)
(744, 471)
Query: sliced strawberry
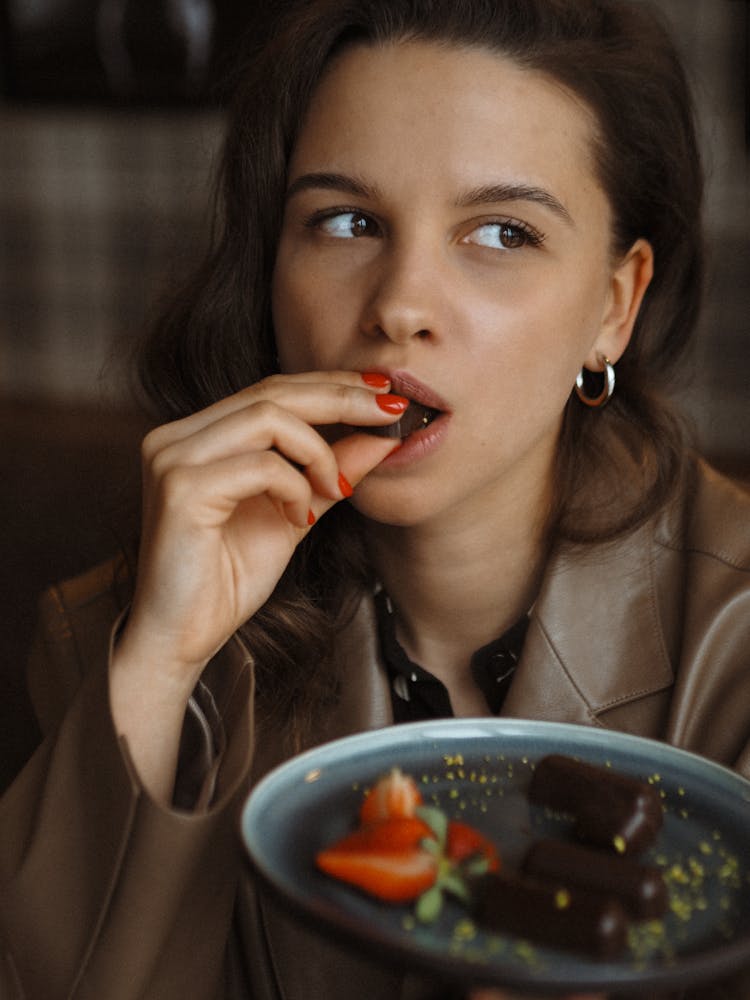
(394, 795)
(386, 859)
(395, 876)
(464, 842)
(387, 836)
(404, 850)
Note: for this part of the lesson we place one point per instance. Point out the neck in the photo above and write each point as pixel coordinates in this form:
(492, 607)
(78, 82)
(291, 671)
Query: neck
(459, 582)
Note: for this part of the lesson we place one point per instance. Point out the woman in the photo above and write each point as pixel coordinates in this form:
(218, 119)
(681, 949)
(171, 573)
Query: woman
(460, 220)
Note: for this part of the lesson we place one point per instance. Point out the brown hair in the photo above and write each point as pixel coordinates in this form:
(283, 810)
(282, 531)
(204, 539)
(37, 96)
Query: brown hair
(217, 336)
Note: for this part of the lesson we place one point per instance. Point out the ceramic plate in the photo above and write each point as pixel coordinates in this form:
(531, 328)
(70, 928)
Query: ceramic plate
(479, 770)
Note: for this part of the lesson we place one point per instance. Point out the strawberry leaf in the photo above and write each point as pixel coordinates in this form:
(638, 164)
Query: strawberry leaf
(431, 845)
(437, 822)
(476, 865)
(453, 883)
(429, 905)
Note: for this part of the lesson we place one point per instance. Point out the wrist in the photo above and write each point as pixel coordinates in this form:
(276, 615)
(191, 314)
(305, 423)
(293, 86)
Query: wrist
(152, 660)
(148, 700)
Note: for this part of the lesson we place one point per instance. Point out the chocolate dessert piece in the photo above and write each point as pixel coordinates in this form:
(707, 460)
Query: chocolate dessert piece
(609, 809)
(415, 417)
(547, 914)
(639, 888)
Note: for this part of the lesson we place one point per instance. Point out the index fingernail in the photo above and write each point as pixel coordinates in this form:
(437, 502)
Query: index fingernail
(376, 380)
(392, 404)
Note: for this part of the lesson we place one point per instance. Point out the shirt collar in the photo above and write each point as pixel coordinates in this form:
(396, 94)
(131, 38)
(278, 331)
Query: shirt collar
(492, 665)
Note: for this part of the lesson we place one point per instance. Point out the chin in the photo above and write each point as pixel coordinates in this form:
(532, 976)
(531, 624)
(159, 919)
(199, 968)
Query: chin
(399, 509)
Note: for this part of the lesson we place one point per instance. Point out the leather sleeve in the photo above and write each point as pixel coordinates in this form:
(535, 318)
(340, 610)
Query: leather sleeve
(103, 893)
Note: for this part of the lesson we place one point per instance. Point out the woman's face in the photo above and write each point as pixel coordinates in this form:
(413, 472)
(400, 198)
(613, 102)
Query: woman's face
(444, 226)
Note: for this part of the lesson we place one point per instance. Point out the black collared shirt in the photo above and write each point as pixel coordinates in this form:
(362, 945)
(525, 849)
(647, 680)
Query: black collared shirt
(417, 694)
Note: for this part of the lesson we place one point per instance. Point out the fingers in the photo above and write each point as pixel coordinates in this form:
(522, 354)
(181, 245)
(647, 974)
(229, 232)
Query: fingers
(358, 454)
(275, 418)
(315, 397)
(214, 491)
(260, 427)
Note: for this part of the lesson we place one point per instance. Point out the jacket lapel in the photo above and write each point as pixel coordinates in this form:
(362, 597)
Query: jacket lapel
(596, 649)
(365, 700)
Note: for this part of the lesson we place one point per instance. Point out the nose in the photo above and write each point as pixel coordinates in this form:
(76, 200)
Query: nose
(403, 300)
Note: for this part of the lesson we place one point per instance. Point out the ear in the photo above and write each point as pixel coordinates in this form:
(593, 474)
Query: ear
(628, 285)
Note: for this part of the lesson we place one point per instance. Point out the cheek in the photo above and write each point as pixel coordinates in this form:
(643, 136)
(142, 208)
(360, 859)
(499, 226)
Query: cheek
(315, 318)
(570, 322)
(296, 309)
(530, 353)
(546, 329)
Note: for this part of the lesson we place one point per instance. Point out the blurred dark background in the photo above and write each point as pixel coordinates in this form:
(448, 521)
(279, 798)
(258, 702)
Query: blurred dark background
(110, 119)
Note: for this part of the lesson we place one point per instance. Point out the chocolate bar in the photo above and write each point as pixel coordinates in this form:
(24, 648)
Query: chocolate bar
(639, 888)
(547, 914)
(609, 809)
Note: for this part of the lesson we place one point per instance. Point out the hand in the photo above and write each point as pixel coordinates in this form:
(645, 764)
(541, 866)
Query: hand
(228, 493)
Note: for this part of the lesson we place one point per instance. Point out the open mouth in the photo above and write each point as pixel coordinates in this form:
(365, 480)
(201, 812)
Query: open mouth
(416, 418)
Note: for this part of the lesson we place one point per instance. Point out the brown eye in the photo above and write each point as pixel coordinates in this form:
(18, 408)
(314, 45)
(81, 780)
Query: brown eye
(360, 224)
(347, 225)
(511, 237)
(504, 236)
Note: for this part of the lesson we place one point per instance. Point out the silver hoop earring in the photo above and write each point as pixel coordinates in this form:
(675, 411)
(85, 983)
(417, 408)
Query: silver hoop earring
(607, 389)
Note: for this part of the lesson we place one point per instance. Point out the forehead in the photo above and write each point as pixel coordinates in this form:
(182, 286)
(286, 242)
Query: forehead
(446, 109)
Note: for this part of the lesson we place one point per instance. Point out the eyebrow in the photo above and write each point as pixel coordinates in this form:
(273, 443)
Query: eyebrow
(331, 182)
(486, 194)
(490, 194)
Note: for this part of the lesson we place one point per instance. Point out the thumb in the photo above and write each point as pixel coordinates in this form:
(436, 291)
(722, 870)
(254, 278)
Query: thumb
(356, 454)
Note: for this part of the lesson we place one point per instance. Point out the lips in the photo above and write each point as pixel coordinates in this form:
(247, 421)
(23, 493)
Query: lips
(424, 407)
(414, 419)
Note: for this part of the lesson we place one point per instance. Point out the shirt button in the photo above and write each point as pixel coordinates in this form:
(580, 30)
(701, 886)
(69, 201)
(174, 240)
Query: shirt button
(401, 687)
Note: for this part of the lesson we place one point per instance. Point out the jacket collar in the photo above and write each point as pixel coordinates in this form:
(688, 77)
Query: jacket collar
(598, 643)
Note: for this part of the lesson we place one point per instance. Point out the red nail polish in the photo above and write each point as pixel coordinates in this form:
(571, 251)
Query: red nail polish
(345, 486)
(375, 379)
(310, 518)
(392, 404)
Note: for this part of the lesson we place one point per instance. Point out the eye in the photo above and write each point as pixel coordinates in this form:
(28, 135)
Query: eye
(505, 235)
(344, 225)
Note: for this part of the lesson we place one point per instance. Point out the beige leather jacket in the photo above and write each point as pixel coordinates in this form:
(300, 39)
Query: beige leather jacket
(106, 896)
